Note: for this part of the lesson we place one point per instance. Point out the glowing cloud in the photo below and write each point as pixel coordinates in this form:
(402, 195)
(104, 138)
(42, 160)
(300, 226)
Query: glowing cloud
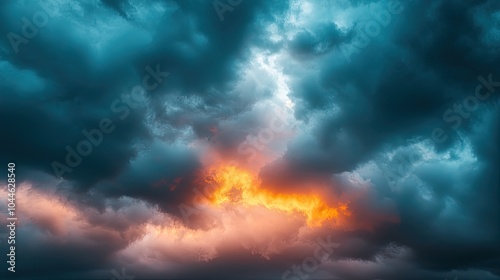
(235, 186)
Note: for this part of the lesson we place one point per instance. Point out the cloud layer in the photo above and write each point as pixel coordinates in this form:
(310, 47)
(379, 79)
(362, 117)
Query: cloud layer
(115, 111)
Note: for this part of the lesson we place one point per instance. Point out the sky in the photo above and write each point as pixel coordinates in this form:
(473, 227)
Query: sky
(250, 139)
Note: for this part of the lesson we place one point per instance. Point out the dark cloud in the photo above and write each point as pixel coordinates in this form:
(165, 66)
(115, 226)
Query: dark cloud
(364, 117)
(323, 38)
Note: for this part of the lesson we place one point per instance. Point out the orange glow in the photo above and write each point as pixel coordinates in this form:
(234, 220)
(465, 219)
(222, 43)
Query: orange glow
(235, 186)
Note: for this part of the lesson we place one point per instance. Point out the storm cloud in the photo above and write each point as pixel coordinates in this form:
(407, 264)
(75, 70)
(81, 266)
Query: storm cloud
(115, 111)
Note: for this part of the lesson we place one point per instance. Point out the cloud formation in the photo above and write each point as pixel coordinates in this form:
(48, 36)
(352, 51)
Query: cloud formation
(389, 106)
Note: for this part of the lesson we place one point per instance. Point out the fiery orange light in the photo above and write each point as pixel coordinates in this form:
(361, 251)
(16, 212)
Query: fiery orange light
(235, 186)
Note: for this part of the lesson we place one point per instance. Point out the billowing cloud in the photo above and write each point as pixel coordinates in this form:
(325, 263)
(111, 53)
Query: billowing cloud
(252, 139)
